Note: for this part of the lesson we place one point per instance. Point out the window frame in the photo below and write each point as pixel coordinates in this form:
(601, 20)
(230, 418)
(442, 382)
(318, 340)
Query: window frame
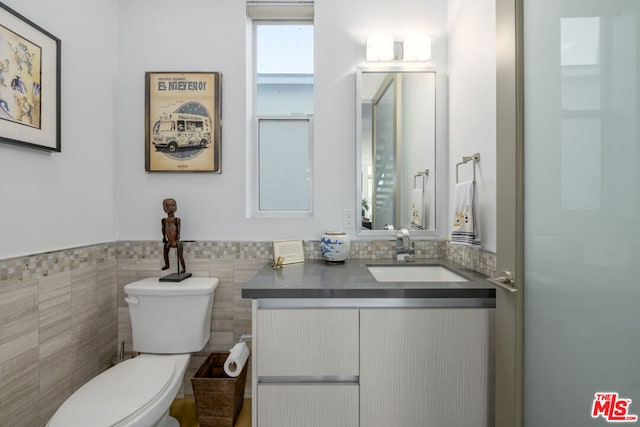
(253, 198)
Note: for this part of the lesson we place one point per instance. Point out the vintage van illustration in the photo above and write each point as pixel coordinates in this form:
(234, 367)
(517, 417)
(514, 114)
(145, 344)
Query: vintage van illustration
(181, 131)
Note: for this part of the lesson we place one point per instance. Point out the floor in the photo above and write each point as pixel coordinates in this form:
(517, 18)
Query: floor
(184, 410)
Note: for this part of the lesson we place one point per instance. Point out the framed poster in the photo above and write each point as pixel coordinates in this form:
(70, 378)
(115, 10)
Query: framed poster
(29, 83)
(182, 121)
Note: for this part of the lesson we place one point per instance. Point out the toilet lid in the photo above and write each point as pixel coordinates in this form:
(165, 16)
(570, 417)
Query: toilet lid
(116, 393)
(191, 286)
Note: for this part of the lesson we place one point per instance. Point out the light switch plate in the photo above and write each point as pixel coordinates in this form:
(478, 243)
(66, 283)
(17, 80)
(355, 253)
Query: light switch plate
(347, 219)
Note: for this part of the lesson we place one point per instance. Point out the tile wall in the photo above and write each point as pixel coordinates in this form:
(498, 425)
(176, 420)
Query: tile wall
(62, 314)
(58, 328)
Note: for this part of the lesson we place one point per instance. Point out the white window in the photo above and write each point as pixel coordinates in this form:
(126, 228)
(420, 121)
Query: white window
(284, 145)
(282, 110)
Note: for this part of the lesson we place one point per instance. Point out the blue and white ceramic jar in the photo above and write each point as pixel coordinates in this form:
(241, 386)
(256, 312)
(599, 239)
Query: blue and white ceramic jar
(335, 246)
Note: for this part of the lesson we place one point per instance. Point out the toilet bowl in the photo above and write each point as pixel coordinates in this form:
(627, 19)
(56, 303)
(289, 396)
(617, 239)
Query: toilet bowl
(137, 392)
(168, 321)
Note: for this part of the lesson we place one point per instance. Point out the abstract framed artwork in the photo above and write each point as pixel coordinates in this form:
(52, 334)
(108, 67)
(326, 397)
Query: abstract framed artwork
(182, 121)
(29, 83)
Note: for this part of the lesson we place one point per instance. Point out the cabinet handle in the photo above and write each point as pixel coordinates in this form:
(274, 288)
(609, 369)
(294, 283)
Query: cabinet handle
(302, 379)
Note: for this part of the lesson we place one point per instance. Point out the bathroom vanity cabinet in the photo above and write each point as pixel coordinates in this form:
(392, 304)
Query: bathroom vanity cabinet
(371, 367)
(368, 357)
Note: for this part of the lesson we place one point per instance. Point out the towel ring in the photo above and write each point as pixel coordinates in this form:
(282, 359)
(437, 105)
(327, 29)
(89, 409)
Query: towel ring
(424, 174)
(466, 159)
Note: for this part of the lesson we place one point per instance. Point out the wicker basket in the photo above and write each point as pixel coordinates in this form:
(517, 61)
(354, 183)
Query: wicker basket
(218, 397)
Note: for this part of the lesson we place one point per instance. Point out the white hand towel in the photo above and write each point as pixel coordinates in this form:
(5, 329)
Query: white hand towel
(465, 230)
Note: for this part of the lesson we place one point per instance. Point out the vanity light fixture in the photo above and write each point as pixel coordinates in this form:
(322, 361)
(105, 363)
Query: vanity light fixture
(413, 47)
(380, 48)
(416, 47)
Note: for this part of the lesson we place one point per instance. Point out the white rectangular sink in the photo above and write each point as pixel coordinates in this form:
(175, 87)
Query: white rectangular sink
(414, 273)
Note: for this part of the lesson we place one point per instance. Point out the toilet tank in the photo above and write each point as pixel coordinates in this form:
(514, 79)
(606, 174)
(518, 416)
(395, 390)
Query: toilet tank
(168, 317)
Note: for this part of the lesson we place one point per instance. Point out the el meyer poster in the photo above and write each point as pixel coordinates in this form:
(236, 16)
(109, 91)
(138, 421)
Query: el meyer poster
(182, 121)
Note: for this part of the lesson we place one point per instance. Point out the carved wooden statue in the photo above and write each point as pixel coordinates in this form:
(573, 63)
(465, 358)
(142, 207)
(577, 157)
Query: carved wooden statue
(171, 233)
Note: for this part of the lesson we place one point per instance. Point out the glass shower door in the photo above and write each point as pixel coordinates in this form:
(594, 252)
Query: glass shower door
(581, 212)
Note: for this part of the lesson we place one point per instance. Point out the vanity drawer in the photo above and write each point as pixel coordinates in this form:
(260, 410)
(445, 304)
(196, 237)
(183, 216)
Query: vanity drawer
(307, 342)
(308, 405)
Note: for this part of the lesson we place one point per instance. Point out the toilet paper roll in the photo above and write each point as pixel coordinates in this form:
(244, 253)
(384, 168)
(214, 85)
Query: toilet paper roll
(238, 356)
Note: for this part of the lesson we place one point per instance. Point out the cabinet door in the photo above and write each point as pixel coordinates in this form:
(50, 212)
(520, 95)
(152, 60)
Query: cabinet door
(307, 342)
(426, 367)
(308, 405)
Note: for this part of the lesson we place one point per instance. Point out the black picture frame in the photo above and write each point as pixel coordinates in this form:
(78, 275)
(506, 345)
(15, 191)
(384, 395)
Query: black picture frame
(29, 83)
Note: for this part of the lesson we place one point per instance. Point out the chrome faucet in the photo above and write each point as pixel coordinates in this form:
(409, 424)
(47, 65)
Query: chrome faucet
(404, 248)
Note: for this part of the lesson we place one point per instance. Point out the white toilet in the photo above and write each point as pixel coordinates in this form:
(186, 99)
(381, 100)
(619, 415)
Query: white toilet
(168, 321)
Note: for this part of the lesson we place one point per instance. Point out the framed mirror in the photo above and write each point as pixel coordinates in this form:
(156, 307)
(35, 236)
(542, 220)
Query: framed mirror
(396, 148)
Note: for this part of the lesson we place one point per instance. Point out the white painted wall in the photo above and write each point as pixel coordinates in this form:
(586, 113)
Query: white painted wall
(96, 190)
(472, 104)
(200, 35)
(54, 201)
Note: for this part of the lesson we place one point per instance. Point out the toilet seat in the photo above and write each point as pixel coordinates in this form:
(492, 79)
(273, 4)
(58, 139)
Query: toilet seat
(121, 392)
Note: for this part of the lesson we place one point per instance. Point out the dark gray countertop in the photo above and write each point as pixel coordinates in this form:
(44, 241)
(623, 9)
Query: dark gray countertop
(352, 279)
